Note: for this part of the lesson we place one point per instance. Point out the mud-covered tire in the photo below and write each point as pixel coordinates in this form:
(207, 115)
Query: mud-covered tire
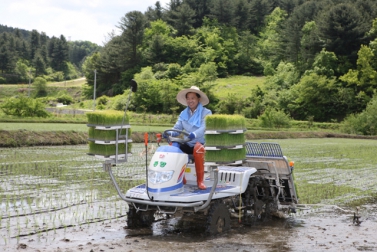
(139, 219)
(218, 219)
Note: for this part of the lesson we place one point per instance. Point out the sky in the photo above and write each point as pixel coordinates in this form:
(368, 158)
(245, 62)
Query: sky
(85, 20)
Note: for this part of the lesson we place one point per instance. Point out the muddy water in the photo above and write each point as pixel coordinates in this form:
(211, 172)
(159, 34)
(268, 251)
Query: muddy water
(59, 199)
(323, 229)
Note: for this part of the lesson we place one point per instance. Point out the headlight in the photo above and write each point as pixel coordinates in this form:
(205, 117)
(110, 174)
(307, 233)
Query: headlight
(159, 177)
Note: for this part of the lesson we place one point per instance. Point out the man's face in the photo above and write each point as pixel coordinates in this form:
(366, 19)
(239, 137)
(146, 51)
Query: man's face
(192, 100)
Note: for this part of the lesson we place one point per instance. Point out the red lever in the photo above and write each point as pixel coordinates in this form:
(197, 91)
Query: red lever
(146, 138)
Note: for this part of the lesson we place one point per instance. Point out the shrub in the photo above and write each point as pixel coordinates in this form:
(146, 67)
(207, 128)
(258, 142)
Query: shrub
(65, 99)
(272, 118)
(103, 100)
(40, 86)
(363, 123)
(24, 107)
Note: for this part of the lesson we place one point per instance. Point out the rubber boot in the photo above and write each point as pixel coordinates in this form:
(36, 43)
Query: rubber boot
(198, 153)
(184, 180)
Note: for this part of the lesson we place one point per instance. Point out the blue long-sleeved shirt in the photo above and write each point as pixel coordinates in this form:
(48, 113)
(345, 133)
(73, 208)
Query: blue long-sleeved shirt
(199, 131)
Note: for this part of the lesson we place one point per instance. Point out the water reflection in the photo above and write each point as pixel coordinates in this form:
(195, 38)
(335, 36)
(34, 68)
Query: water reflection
(51, 188)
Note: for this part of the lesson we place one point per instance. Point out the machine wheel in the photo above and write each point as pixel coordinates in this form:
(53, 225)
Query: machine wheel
(218, 219)
(139, 219)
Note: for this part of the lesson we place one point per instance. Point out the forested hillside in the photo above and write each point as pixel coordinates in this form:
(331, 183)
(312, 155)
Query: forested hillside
(318, 57)
(26, 55)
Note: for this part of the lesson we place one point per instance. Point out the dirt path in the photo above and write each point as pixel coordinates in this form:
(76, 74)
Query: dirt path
(323, 229)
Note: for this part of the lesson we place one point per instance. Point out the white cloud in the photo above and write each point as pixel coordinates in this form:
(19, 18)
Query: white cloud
(78, 20)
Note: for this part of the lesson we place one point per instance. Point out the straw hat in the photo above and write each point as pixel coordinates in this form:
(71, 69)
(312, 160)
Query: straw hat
(181, 96)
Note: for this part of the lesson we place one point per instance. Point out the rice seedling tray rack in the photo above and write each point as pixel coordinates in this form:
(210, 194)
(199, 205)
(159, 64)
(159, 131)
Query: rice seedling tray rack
(118, 147)
(224, 147)
(217, 132)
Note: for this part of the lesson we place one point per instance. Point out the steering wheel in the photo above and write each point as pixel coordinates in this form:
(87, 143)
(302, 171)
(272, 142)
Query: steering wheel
(171, 139)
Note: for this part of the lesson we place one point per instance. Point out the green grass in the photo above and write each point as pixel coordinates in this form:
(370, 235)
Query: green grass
(69, 83)
(240, 86)
(73, 87)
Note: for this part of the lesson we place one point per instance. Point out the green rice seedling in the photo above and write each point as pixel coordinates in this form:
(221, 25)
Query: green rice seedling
(107, 149)
(225, 122)
(107, 117)
(225, 155)
(224, 139)
(107, 135)
(222, 124)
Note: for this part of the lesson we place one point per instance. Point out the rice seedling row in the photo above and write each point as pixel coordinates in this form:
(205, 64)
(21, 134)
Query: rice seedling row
(43, 189)
(49, 188)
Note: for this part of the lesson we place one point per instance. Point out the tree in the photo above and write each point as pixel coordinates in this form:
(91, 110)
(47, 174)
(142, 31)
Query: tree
(325, 63)
(268, 44)
(180, 49)
(39, 65)
(373, 44)
(90, 64)
(79, 50)
(40, 85)
(316, 96)
(208, 72)
(182, 19)
(34, 43)
(246, 57)
(22, 70)
(154, 41)
(5, 59)
(223, 12)
(258, 10)
(364, 78)
(310, 45)
(153, 14)
(132, 26)
(343, 28)
(294, 34)
(202, 10)
(285, 77)
(289, 5)
(148, 93)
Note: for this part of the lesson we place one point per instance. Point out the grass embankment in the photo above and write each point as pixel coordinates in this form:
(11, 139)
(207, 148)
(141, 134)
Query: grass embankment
(20, 138)
(68, 129)
(64, 128)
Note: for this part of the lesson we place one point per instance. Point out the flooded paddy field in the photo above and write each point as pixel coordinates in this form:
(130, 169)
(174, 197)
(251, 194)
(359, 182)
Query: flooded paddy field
(60, 199)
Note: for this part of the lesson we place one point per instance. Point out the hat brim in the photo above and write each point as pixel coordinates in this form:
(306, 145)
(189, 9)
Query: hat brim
(181, 96)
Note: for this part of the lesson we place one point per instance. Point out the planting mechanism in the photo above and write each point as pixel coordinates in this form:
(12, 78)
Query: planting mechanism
(257, 185)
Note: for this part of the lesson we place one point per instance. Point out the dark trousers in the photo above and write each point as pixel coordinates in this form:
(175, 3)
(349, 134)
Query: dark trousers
(186, 149)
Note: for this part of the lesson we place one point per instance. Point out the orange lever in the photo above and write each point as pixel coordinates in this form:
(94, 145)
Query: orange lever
(158, 136)
(146, 138)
